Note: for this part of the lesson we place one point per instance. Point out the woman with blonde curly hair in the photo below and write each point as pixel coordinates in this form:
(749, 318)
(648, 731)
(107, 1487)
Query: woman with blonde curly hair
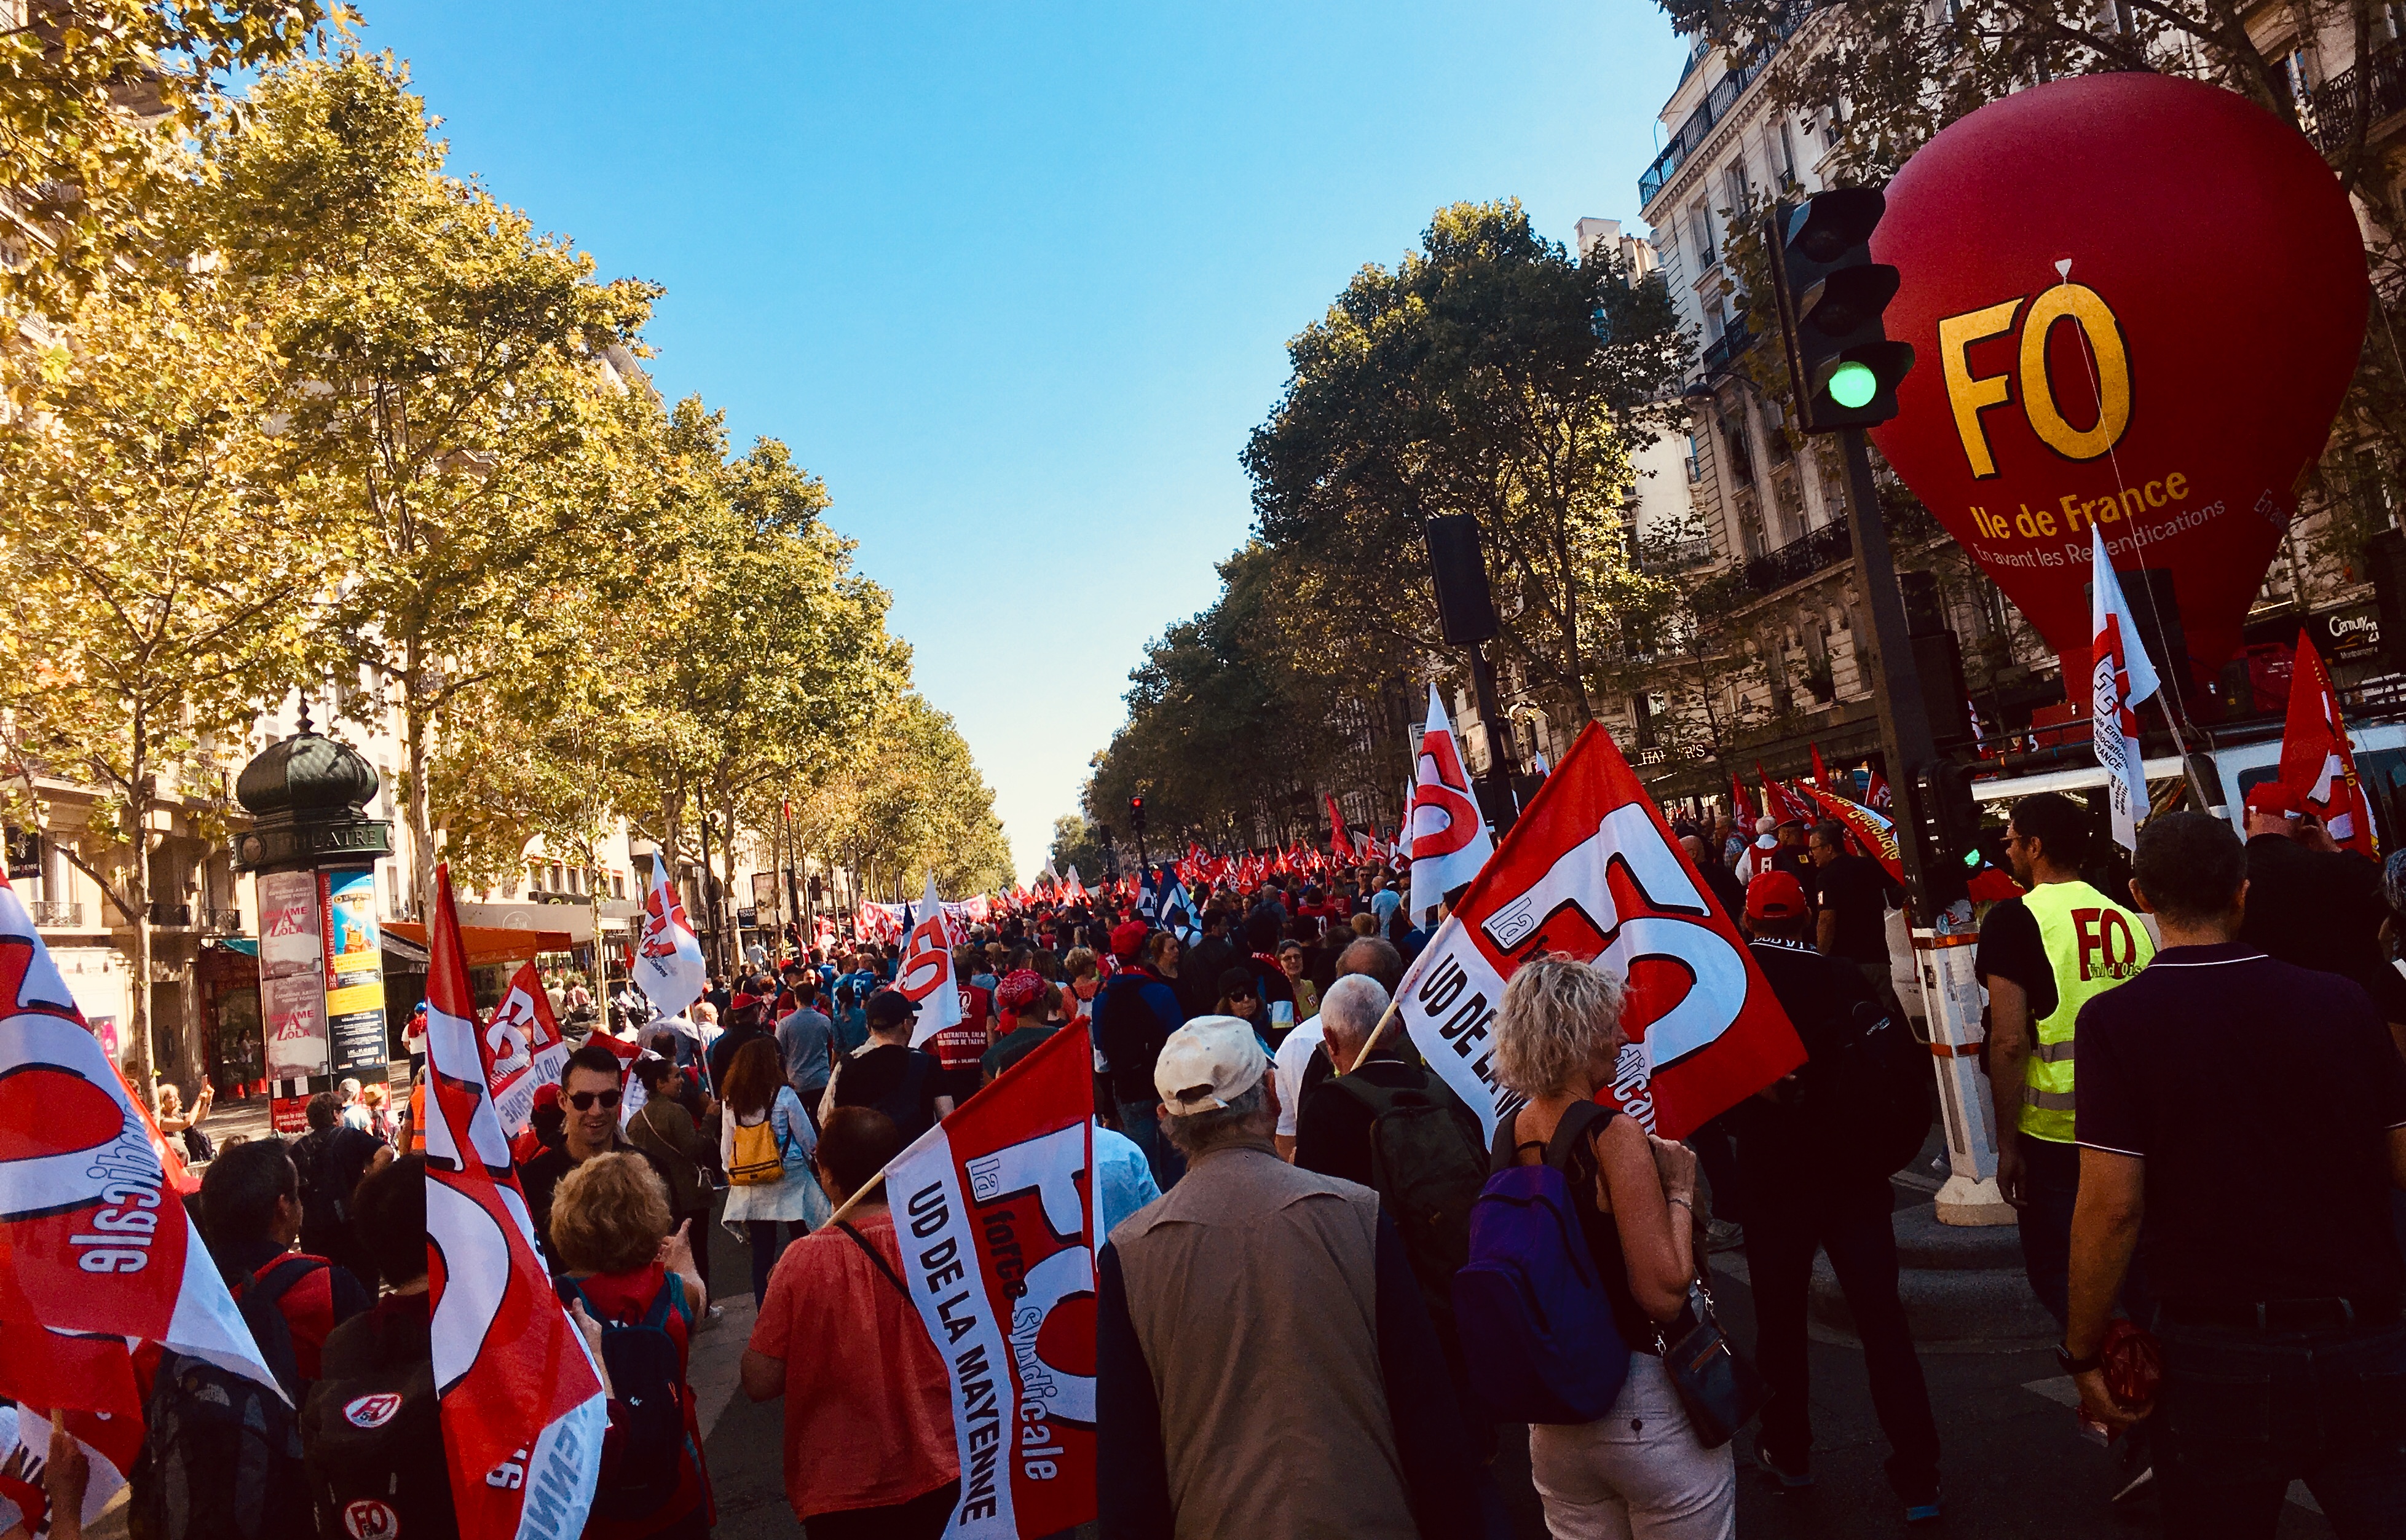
(1638, 1471)
(622, 1263)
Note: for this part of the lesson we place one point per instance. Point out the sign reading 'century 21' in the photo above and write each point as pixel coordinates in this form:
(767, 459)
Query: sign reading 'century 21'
(2138, 302)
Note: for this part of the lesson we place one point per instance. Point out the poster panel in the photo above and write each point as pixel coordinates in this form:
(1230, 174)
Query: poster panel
(354, 960)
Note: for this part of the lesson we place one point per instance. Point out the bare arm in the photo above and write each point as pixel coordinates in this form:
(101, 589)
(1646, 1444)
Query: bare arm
(1654, 1243)
(1825, 931)
(944, 1108)
(2008, 1053)
(764, 1378)
(2104, 1232)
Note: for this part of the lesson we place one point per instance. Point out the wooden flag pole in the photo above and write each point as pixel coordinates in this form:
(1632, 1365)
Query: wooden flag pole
(1376, 1033)
(860, 1193)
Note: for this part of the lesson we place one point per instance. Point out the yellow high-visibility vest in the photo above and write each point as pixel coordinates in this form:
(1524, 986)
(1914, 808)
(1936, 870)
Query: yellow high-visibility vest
(2092, 943)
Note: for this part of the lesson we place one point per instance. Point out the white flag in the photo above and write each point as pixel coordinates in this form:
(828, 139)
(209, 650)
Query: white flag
(1450, 842)
(669, 969)
(925, 976)
(2120, 677)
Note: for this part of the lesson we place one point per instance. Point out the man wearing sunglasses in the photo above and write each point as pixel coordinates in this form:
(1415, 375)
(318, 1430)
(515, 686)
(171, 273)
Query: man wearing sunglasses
(591, 1090)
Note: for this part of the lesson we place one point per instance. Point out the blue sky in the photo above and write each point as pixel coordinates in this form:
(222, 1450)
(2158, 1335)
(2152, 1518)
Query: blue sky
(1017, 280)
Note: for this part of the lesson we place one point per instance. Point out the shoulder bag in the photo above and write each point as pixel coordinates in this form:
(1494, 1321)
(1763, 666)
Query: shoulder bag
(1720, 1390)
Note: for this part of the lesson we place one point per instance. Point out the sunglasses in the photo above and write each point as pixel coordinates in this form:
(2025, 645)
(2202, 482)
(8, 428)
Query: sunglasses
(583, 1100)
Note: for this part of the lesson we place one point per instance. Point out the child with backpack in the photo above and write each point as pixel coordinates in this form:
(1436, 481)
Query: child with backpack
(1581, 1253)
(608, 1221)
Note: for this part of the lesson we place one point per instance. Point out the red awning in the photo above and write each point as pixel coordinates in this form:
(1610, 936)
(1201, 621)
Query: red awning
(486, 944)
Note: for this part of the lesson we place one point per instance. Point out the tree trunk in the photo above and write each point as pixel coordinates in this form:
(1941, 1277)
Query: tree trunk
(419, 808)
(137, 889)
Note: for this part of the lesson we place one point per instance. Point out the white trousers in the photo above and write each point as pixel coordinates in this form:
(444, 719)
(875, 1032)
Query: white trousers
(1635, 1473)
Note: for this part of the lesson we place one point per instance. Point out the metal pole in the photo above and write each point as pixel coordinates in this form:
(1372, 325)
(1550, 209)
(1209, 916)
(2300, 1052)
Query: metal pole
(1496, 800)
(1943, 952)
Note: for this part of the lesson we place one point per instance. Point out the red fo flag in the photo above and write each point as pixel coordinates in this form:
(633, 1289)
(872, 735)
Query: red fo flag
(1340, 842)
(1742, 805)
(1004, 1189)
(522, 1409)
(522, 1049)
(1820, 771)
(1875, 788)
(668, 967)
(96, 1252)
(925, 975)
(1780, 803)
(1591, 872)
(2318, 761)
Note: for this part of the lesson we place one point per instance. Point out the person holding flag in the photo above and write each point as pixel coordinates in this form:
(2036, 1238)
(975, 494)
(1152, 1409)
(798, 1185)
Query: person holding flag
(668, 966)
(2312, 903)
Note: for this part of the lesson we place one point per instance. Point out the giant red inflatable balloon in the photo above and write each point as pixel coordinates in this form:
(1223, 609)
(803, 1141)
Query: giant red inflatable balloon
(2132, 300)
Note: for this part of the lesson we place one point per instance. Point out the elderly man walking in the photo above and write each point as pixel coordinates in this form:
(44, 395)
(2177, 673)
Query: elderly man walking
(1264, 1364)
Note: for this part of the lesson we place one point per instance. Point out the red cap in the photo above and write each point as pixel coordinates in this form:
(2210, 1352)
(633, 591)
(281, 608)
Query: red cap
(2271, 797)
(1129, 937)
(546, 1095)
(739, 1001)
(1774, 896)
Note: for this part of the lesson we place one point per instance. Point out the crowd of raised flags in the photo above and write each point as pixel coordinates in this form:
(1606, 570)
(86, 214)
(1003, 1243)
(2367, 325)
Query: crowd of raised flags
(103, 1276)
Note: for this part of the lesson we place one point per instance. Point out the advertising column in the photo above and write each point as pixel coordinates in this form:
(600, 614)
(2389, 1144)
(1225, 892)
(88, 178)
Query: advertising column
(292, 975)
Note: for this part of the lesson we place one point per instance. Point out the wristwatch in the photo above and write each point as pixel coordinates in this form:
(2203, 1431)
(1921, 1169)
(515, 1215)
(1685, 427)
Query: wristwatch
(2076, 1366)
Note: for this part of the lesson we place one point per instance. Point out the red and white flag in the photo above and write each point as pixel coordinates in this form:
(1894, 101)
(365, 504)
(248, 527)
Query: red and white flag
(669, 969)
(995, 1207)
(2318, 761)
(926, 974)
(1591, 872)
(1780, 803)
(521, 1401)
(97, 1254)
(1873, 831)
(1742, 812)
(1875, 788)
(522, 1049)
(1450, 842)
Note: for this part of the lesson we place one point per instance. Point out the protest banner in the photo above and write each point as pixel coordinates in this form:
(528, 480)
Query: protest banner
(97, 1253)
(1591, 872)
(994, 1211)
(1872, 829)
(522, 1049)
(2317, 761)
(520, 1398)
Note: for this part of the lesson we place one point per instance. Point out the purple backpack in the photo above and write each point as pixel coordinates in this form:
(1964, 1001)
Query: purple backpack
(1536, 1326)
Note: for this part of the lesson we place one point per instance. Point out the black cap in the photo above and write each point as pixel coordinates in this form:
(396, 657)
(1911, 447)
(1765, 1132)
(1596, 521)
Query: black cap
(890, 1008)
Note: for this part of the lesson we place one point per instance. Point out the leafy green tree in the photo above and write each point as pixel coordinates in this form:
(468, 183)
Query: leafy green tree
(456, 373)
(163, 574)
(1487, 374)
(96, 97)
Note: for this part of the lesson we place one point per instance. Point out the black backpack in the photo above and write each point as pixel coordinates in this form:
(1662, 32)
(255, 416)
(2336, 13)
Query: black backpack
(1429, 1165)
(371, 1432)
(1867, 1091)
(220, 1454)
(645, 1452)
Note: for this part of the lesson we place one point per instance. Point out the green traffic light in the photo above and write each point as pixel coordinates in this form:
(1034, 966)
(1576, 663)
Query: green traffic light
(1853, 385)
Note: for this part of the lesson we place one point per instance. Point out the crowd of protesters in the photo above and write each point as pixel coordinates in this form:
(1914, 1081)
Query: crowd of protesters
(1282, 1190)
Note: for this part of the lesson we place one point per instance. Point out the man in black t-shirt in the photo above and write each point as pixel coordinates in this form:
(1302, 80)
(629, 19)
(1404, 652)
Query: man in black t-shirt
(2316, 905)
(1854, 894)
(331, 1159)
(905, 1083)
(591, 1089)
(2266, 1217)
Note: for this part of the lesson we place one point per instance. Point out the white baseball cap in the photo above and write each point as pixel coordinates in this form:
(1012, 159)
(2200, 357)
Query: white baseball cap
(1207, 1064)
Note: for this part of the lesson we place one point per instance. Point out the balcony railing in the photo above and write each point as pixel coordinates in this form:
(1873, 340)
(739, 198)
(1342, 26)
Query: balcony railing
(220, 922)
(1721, 354)
(2329, 112)
(1824, 548)
(1717, 101)
(177, 917)
(57, 916)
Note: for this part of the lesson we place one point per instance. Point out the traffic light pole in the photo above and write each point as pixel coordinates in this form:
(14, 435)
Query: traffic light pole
(1943, 936)
(1495, 786)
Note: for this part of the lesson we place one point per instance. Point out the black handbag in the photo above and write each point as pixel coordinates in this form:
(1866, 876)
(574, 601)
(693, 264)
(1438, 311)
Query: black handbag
(1720, 1390)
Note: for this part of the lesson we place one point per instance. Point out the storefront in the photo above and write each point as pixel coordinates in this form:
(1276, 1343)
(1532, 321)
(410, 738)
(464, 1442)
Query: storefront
(227, 974)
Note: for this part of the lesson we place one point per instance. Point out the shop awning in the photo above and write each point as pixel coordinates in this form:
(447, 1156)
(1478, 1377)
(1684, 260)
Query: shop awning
(484, 944)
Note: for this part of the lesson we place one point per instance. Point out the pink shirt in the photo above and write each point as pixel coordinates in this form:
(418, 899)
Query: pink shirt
(868, 1408)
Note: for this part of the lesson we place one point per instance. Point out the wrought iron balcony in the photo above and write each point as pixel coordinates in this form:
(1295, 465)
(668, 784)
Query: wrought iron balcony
(1827, 546)
(1716, 106)
(2329, 112)
(50, 916)
(1721, 354)
(173, 916)
(220, 922)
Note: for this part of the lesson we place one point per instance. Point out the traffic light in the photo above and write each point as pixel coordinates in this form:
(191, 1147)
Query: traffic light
(1136, 813)
(1948, 817)
(1831, 295)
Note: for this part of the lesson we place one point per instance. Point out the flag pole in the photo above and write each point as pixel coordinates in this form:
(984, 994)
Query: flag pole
(1376, 1033)
(858, 1195)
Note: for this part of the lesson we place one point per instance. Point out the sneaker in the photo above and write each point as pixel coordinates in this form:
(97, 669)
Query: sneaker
(710, 1317)
(1922, 1510)
(1789, 1480)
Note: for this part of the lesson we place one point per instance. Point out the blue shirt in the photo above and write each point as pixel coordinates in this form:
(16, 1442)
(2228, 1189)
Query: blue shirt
(1122, 1180)
(1384, 903)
